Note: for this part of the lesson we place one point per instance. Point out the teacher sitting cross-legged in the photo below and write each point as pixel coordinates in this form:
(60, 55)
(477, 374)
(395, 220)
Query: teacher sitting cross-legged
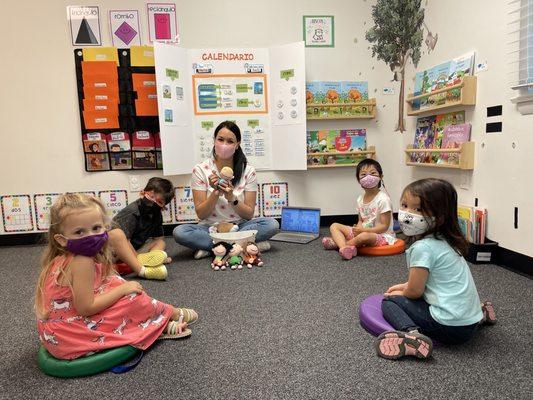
(224, 195)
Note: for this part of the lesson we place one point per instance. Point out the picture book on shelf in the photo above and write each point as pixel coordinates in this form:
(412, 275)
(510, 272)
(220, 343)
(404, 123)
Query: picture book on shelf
(447, 74)
(424, 136)
(473, 223)
(454, 136)
(333, 142)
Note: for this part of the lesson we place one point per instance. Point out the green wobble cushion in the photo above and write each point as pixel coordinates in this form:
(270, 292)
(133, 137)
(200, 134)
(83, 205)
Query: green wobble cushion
(84, 366)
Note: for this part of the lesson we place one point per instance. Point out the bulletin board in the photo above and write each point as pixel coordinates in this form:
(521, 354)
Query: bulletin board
(118, 108)
(262, 90)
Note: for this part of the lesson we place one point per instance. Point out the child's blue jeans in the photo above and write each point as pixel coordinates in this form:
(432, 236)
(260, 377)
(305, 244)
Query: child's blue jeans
(406, 315)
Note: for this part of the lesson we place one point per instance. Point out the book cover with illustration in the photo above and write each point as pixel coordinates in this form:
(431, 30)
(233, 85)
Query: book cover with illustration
(424, 136)
(335, 141)
(354, 92)
(313, 92)
(454, 136)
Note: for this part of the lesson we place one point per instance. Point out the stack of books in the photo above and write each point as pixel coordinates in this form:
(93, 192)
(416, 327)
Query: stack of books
(473, 223)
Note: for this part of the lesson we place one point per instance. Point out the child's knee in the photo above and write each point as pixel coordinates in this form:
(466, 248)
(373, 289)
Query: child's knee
(334, 227)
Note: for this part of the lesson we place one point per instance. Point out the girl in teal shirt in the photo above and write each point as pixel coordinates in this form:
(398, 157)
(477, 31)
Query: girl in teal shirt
(440, 298)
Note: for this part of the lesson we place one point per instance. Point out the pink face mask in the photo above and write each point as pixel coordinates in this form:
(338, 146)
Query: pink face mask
(224, 151)
(369, 181)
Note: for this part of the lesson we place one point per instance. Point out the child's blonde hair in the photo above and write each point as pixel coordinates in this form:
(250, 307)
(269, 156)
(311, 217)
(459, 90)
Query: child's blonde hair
(62, 208)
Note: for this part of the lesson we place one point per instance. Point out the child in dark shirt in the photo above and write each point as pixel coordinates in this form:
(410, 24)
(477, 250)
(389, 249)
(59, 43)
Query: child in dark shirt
(138, 238)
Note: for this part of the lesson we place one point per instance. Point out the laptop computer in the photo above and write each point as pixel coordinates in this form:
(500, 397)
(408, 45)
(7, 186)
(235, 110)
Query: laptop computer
(298, 225)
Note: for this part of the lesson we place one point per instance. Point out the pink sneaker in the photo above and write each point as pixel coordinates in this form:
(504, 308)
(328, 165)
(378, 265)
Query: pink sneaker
(348, 252)
(396, 344)
(329, 244)
(489, 316)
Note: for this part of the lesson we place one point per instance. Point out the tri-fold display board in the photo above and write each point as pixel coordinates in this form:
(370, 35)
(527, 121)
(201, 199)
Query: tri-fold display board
(118, 108)
(261, 90)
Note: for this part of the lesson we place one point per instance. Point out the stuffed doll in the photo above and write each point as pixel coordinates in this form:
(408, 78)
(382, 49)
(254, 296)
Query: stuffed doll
(235, 259)
(220, 250)
(226, 175)
(251, 255)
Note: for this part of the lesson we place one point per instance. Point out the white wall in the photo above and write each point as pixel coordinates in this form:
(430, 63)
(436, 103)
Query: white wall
(39, 121)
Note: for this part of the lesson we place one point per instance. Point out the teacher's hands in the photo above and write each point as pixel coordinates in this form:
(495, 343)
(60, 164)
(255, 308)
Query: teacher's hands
(213, 181)
(227, 189)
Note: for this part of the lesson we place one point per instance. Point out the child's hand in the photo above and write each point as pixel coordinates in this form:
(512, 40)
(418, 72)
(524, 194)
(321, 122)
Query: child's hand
(131, 287)
(396, 290)
(393, 293)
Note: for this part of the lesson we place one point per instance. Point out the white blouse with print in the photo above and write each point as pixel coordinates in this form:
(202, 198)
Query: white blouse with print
(223, 211)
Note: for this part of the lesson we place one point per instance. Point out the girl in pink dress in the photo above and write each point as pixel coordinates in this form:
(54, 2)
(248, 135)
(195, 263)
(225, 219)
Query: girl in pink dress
(82, 305)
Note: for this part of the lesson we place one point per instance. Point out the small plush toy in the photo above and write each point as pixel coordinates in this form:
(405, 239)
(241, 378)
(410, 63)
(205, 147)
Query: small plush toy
(235, 259)
(251, 255)
(223, 227)
(220, 250)
(226, 175)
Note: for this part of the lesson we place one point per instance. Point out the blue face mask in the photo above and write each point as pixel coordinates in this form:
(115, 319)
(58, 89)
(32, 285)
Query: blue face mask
(87, 246)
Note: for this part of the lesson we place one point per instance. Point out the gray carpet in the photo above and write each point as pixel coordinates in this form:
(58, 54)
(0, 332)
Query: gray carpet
(285, 331)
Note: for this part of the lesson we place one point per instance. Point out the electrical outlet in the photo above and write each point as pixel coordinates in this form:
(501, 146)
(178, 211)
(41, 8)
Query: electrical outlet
(135, 183)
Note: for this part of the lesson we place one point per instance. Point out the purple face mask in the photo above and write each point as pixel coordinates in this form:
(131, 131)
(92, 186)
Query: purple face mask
(369, 181)
(87, 246)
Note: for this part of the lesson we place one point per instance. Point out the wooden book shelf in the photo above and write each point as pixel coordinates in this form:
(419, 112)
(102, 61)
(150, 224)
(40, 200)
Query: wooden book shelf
(465, 157)
(467, 86)
(319, 111)
(369, 153)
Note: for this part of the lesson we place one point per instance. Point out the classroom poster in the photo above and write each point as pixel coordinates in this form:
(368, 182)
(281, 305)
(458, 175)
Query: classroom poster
(319, 31)
(162, 25)
(184, 205)
(274, 197)
(42, 203)
(16, 213)
(84, 25)
(114, 201)
(125, 28)
(208, 86)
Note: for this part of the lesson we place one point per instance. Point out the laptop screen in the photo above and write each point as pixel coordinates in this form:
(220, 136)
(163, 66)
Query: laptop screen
(300, 219)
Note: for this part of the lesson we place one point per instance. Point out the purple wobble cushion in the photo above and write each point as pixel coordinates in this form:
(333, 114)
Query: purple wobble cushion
(371, 317)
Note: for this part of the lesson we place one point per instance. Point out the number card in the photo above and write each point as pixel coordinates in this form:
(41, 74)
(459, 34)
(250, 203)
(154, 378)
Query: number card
(114, 200)
(16, 213)
(257, 212)
(275, 195)
(167, 214)
(184, 205)
(42, 203)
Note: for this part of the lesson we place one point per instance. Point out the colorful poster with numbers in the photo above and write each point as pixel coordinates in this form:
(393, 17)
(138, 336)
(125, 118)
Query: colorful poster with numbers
(16, 213)
(257, 212)
(167, 214)
(184, 204)
(114, 201)
(275, 196)
(42, 203)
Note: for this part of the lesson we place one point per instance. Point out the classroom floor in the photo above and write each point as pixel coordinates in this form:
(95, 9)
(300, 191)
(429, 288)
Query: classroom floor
(285, 331)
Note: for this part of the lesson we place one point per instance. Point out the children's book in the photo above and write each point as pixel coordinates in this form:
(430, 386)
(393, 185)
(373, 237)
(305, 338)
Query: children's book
(424, 136)
(442, 121)
(454, 136)
(354, 92)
